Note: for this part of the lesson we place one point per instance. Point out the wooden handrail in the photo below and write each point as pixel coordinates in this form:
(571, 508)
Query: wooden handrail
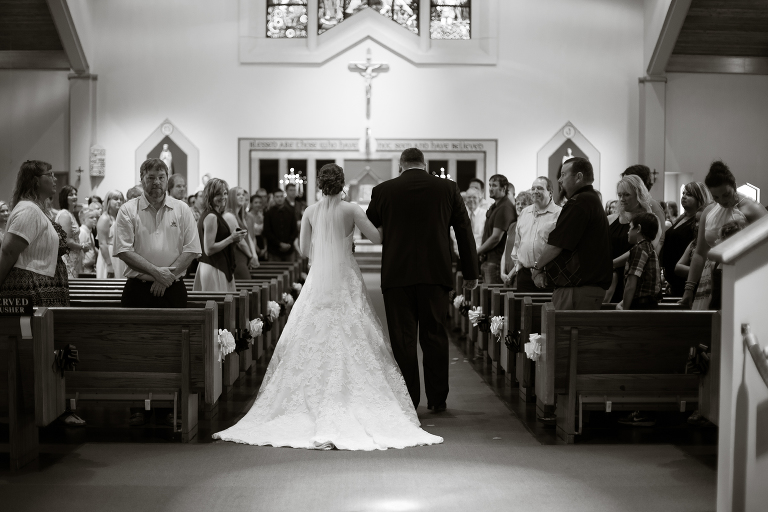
(759, 357)
(741, 243)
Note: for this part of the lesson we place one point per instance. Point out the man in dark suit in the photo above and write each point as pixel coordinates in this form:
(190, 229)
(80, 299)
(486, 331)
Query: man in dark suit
(416, 211)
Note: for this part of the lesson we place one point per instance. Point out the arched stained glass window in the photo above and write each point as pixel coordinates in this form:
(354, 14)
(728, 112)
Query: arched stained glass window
(450, 19)
(286, 18)
(403, 12)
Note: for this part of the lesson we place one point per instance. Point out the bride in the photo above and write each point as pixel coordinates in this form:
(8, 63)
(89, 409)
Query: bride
(332, 381)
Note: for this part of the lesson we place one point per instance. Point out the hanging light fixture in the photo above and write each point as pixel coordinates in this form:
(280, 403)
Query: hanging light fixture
(294, 178)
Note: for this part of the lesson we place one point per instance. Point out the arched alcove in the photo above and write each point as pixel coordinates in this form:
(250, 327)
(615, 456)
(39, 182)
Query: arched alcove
(165, 131)
(551, 156)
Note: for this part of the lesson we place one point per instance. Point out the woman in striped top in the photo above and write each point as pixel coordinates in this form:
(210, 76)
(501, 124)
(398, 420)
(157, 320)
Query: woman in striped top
(32, 246)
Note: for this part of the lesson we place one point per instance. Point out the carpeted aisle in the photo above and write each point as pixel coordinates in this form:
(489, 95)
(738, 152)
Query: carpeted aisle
(489, 461)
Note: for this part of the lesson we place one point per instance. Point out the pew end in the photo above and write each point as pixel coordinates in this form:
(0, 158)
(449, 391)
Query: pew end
(31, 390)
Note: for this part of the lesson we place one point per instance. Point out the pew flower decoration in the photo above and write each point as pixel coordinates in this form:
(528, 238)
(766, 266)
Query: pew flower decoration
(497, 326)
(303, 278)
(533, 347)
(474, 315)
(256, 326)
(296, 290)
(226, 344)
(273, 310)
(287, 300)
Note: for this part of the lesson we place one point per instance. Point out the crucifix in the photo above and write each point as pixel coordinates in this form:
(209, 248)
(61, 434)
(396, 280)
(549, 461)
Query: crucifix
(368, 70)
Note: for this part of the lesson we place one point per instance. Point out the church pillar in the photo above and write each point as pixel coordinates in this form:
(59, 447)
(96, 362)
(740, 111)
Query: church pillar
(652, 150)
(424, 16)
(311, 179)
(312, 24)
(282, 170)
(82, 130)
(451, 170)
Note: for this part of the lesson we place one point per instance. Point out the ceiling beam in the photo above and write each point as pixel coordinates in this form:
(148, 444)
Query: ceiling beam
(717, 64)
(62, 18)
(34, 59)
(673, 23)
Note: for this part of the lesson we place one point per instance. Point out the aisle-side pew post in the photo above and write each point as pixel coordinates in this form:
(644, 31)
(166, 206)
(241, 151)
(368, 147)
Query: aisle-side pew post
(507, 355)
(243, 315)
(526, 370)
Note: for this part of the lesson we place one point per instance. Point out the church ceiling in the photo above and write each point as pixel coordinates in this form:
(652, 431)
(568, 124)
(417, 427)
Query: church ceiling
(27, 25)
(736, 28)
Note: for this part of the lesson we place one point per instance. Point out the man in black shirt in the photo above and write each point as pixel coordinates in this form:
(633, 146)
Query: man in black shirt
(280, 229)
(497, 221)
(577, 257)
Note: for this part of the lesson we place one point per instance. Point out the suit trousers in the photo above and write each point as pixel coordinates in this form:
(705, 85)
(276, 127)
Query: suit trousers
(578, 298)
(420, 311)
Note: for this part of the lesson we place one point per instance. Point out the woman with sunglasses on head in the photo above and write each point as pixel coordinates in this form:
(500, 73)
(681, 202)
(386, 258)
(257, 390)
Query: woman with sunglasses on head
(702, 288)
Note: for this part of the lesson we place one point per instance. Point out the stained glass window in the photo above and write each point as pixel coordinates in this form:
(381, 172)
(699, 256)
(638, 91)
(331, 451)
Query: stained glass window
(450, 19)
(403, 12)
(286, 18)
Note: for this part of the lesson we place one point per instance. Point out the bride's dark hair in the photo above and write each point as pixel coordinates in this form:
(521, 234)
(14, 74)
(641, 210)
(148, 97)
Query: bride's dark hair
(330, 179)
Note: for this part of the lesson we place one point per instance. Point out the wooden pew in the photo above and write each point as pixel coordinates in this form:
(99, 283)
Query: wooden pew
(231, 316)
(126, 354)
(31, 391)
(634, 359)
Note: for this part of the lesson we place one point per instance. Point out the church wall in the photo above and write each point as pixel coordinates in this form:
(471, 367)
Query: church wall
(34, 122)
(558, 61)
(713, 117)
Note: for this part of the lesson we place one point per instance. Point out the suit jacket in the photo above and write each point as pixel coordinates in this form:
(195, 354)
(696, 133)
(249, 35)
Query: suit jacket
(417, 211)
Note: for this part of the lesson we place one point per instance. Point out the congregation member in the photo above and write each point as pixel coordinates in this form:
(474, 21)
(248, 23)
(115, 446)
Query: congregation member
(577, 256)
(234, 216)
(280, 229)
(67, 220)
(255, 219)
(30, 258)
(5, 211)
(95, 203)
(292, 201)
(644, 173)
(728, 207)
(155, 237)
(498, 218)
(134, 192)
(672, 211)
(476, 212)
(634, 199)
(610, 207)
(479, 185)
(108, 265)
(177, 187)
(678, 238)
(534, 224)
(642, 277)
(88, 220)
(216, 268)
(507, 265)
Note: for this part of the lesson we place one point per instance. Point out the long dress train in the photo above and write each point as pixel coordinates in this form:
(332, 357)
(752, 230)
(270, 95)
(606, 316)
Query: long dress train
(333, 380)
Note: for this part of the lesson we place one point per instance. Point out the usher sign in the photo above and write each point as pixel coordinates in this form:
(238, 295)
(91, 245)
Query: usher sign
(15, 306)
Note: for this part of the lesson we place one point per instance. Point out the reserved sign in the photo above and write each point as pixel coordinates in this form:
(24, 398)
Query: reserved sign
(15, 306)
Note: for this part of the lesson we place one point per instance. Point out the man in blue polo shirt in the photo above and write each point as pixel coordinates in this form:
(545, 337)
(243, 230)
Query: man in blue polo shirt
(577, 258)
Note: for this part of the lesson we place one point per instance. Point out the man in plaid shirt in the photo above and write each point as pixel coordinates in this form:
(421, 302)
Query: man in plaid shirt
(642, 281)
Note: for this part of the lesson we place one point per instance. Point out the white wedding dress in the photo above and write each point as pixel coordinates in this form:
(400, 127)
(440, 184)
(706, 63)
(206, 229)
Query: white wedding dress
(333, 380)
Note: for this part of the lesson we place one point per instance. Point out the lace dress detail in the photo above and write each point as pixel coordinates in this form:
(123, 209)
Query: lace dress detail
(333, 380)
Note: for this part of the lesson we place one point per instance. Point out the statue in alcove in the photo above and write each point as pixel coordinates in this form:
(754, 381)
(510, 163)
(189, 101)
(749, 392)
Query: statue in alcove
(568, 155)
(167, 157)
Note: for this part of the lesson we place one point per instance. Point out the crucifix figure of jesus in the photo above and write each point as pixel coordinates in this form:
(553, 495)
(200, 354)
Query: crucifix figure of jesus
(368, 70)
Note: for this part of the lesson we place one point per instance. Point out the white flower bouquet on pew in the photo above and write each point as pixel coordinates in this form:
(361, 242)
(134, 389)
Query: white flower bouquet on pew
(533, 347)
(497, 326)
(273, 310)
(255, 327)
(474, 315)
(287, 300)
(226, 344)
